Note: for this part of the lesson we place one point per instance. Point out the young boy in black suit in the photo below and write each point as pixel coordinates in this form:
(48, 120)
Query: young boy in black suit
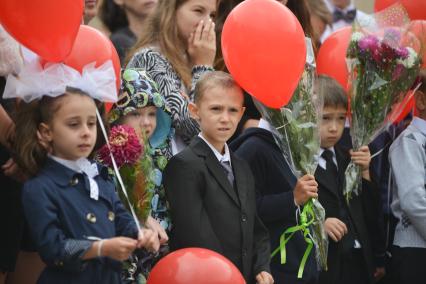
(211, 192)
(350, 254)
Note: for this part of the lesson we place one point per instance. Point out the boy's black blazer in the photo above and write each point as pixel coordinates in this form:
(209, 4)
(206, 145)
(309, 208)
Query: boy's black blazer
(274, 182)
(208, 212)
(361, 213)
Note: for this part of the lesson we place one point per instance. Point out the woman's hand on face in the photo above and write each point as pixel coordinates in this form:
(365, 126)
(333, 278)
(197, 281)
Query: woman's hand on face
(202, 44)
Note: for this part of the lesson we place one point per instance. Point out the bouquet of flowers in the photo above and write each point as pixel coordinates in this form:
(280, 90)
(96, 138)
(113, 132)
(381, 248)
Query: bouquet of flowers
(383, 66)
(297, 135)
(135, 167)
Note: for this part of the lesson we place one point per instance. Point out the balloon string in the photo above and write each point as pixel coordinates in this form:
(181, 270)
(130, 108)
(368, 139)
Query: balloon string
(116, 171)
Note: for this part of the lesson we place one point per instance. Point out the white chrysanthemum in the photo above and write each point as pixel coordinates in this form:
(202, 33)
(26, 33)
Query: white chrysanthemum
(356, 36)
(411, 58)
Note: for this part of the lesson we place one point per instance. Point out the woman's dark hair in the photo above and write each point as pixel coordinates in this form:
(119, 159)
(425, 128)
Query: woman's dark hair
(112, 15)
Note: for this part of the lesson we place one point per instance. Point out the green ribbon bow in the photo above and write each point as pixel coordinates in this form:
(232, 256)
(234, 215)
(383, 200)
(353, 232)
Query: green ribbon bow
(306, 219)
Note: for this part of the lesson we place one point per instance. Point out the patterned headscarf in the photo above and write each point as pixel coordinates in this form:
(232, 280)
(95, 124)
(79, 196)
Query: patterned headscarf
(138, 90)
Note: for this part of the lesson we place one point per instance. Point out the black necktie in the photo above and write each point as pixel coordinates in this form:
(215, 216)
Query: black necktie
(226, 165)
(331, 167)
(348, 17)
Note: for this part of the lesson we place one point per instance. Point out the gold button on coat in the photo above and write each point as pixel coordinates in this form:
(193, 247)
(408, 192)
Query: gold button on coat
(73, 181)
(91, 217)
(111, 216)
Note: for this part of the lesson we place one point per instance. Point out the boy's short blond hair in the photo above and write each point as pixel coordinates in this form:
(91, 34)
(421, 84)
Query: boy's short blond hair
(331, 92)
(214, 79)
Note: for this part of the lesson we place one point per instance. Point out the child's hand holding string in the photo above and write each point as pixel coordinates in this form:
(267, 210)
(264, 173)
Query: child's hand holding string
(202, 44)
(362, 158)
(148, 239)
(119, 248)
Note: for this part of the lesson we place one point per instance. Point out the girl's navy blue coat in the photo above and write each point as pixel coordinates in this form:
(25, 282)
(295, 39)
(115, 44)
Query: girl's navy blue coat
(64, 221)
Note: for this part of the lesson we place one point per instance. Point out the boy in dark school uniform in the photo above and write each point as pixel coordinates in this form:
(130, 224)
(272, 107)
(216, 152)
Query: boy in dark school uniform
(350, 253)
(211, 192)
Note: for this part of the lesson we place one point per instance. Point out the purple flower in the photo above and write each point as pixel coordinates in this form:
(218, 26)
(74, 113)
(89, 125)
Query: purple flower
(392, 37)
(398, 71)
(369, 43)
(402, 52)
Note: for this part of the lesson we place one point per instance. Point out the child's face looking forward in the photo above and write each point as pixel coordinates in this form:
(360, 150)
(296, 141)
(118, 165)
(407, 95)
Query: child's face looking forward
(218, 111)
(143, 120)
(332, 125)
(72, 131)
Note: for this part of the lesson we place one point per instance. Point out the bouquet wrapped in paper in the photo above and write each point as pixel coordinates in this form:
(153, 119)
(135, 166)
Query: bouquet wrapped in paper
(297, 135)
(134, 165)
(383, 62)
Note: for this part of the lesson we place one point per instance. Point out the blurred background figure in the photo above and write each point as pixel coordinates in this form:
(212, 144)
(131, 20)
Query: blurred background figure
(344, 14)
(19, 263)
(321, 17)
(90, 10)
(125, 20)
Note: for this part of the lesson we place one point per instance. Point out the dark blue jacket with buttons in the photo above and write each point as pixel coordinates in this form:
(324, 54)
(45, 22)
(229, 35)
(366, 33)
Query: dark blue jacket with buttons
(64, 221)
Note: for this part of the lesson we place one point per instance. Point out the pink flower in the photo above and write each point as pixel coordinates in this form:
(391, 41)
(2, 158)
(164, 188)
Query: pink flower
(369, 43)
(125, 147)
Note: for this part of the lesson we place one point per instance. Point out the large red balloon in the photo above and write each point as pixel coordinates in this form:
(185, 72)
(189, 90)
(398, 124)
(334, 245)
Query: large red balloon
(264, 49)
(195, 265)
(93, 46)
(331, 58)
(47, 27)
(416, 8)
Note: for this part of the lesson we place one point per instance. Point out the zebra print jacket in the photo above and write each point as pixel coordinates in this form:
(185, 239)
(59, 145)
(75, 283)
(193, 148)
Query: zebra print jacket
(171, 87)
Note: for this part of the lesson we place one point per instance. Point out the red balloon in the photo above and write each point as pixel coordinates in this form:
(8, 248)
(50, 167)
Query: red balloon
(195, 265)
(264, 49)
(93, 46)
(418, 28)
(416, 8)
(331, 58)
(47, 27)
